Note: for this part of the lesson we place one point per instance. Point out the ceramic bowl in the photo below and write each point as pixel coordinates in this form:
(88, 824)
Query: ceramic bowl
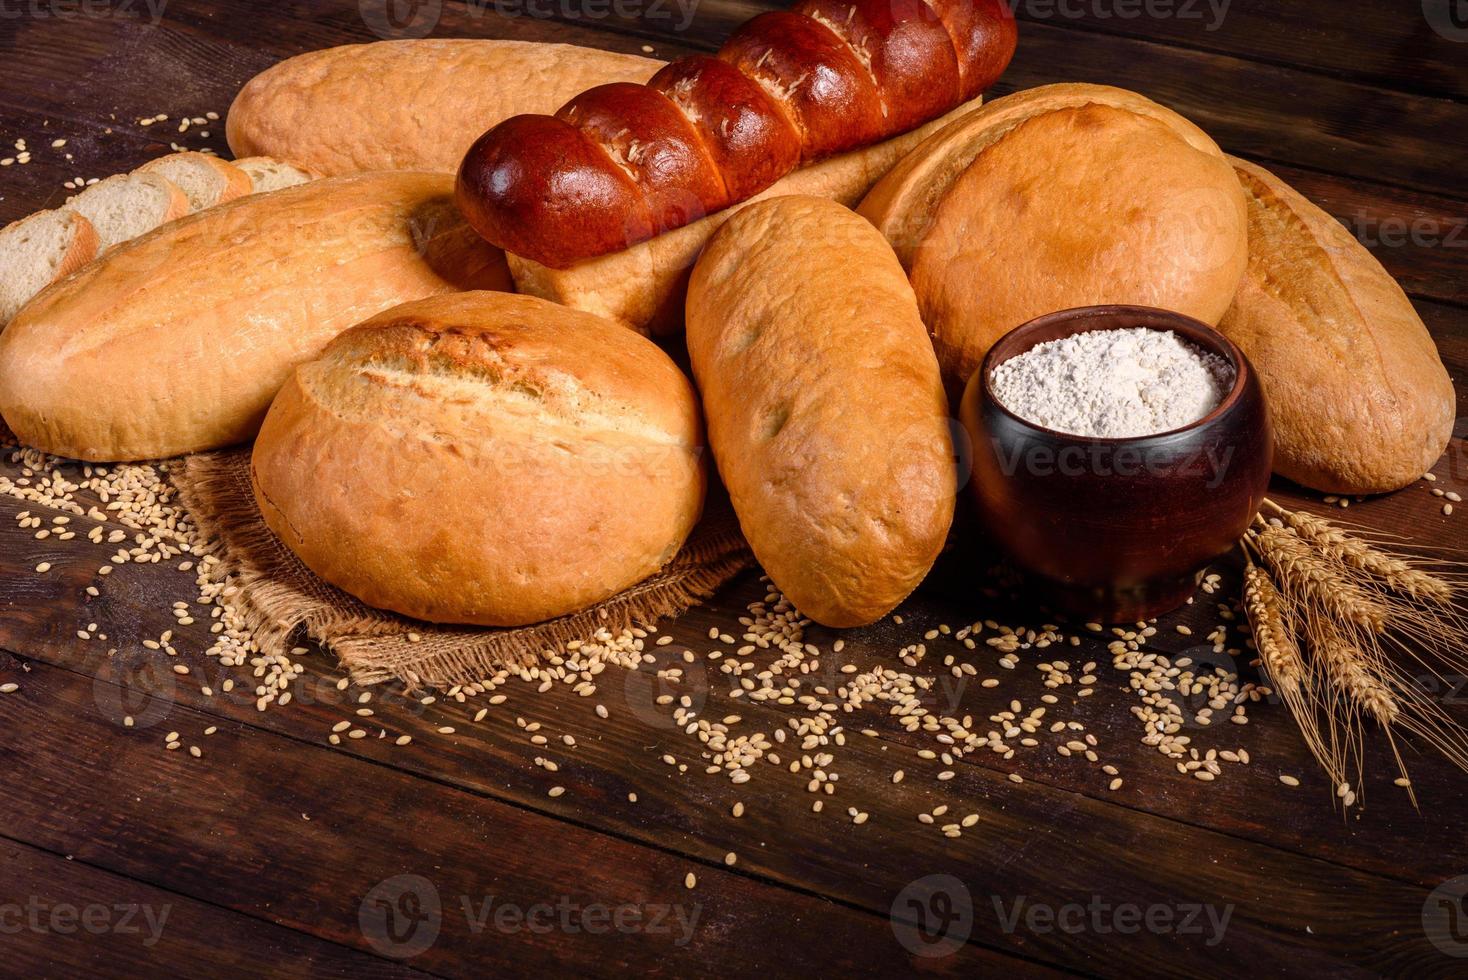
(1117, 530)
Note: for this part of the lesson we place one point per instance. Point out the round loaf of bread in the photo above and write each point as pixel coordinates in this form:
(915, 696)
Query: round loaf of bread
(1065, 196)
(483, 458)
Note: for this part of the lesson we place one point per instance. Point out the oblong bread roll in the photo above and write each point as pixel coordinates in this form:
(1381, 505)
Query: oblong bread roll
(176, 342)
(483, 458)
(1071, 205)
(410, 104)
(825, 410)
(1360, 399)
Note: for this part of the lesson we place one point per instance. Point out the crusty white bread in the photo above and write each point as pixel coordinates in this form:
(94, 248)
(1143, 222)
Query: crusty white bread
(644, 286)
(38, 250)
(483, 458)
(123, 207)
(1078, 197)
(825, 407)
(269, 174)
(1360, 400)
(411, 104)
(205, 180)
(176, 342)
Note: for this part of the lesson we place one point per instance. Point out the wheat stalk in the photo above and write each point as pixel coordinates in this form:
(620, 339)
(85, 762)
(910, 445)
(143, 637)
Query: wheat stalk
(1305, 574)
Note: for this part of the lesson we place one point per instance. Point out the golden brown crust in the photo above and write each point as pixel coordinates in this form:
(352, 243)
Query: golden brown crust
(177, 341)
(483, 458)
(825, 410)
(902, 204)
(237, 183)
(645, 286)
(84, 245)
(1360, 399)
(1076, 206)
(409, 105)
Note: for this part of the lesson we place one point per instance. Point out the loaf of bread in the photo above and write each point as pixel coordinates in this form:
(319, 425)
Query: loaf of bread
(645, 286)
(1057, 197)
(38, 250)
(176, 342)
(622, 163)
(409, 105)
(1360, 400)
(825, 408)
(483, 458)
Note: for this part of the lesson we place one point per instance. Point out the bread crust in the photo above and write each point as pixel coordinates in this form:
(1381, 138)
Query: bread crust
(177, 341)
(483, 458)
(1075, 206)
(645, 286)
(825, 410)
(411, 104)
(1360, 399)
(236, 183)
(902, 203)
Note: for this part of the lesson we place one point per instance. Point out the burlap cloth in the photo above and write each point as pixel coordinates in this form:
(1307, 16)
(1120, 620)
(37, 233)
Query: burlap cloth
(280, 596)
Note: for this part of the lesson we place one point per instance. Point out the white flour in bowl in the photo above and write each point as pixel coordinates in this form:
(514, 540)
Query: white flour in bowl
(1113, 384)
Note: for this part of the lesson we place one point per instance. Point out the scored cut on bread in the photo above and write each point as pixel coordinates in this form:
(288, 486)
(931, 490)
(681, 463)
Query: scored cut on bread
(269, 174)
(123, 207)
(205, 180)
(38, 250)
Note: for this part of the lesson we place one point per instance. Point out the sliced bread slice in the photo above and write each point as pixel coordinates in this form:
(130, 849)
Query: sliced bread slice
(123, 207)
(37, 251)
(270, 174)
(205, 180)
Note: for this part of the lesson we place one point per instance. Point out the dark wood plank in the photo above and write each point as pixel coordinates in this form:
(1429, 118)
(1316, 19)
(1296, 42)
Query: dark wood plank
(620, 754)
(303, 836)
(66, 918)
(1072, 851)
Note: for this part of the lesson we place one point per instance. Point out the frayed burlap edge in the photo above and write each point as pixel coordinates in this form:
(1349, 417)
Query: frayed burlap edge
(277, 596)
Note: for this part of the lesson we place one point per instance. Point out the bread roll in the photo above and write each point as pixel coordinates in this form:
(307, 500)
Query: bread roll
(409, 105)
(825, 410)
(1066, 196)
(176, 342)
(645, 286)
(483, 458)
(1360, 400)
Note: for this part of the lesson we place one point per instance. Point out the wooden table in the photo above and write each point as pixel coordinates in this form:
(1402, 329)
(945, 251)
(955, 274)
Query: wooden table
(272, 853)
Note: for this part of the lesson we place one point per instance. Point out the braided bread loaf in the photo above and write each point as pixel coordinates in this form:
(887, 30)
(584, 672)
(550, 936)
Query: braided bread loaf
(621, 163)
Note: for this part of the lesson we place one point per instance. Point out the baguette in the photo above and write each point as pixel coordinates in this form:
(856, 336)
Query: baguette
(1360, 399)
(645, 286)
(1133, 204)
(483, 458)
(176, 342)
(622, 163)
(826, 412)
(409, 105)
